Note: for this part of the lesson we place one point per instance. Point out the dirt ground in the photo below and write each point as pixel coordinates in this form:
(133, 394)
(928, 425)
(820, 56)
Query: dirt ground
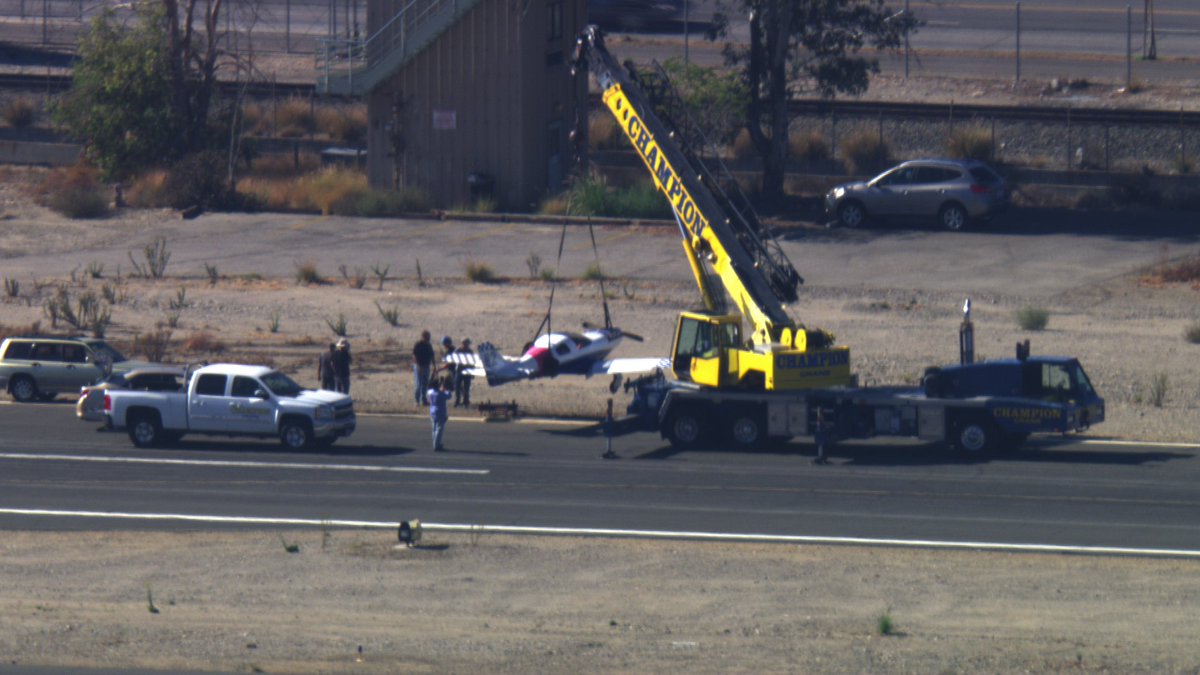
(239, 602)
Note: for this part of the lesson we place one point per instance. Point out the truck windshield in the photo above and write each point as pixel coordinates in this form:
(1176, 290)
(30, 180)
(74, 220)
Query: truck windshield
(280, 384)
(1082, 384)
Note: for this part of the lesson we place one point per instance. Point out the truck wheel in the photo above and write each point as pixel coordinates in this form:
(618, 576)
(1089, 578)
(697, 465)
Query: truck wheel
(23, 389)
(145, 431)
(684, 428)
(974, 438)
(746, 429)
(295, 435)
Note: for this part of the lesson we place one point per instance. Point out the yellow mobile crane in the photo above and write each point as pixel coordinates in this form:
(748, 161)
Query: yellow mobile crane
(726, 244)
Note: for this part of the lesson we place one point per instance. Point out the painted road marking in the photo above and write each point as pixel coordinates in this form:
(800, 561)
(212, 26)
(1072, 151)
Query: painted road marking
(1150, 444)
(639, 534)
(247, 464)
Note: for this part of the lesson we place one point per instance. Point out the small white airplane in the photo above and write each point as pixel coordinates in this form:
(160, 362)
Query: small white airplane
(554, 354)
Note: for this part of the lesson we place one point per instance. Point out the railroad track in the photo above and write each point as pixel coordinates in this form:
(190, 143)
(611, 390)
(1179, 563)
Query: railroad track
(891, 110)
(57, 83)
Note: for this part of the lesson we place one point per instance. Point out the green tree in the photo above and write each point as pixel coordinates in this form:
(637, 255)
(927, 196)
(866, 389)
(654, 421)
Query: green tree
(804, 46)
(141, 91)
(715, 99)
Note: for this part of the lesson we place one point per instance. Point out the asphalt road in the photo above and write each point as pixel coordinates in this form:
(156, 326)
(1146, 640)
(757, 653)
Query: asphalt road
(1058, 492)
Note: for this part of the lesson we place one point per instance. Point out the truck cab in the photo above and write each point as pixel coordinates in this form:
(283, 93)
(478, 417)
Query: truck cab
(1022, 395)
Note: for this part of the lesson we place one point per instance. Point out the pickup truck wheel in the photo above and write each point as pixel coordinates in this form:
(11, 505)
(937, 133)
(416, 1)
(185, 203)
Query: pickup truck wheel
(145, 431)
(746, 430)
(23, 389)
(684, 428)
(295, 435)
(974, 438)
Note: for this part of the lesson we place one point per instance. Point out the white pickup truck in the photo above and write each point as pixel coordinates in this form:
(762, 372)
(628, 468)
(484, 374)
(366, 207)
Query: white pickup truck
(233, 400)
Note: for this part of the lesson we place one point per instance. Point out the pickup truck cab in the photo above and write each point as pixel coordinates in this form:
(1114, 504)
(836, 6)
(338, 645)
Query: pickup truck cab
(233, 400)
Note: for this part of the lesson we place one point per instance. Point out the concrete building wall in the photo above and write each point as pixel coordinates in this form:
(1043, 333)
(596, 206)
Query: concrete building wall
(492, 95)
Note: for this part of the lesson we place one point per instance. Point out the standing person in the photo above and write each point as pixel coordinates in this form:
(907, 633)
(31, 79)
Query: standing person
(422, 363)
(341, 366)
(325, 368)
(438, 395)
(449, 368)
(462, 390)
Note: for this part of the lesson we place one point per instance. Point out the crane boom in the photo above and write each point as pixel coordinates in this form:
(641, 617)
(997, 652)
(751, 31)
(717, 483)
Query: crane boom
(720, 233)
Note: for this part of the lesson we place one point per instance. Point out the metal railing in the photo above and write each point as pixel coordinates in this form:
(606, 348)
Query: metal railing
(350, 61)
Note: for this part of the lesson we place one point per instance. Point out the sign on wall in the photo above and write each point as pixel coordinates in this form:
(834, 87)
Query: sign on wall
(445, 120)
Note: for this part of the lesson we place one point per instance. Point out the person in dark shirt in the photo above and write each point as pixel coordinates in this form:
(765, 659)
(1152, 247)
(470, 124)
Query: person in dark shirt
(341, 366)
(422, 363)
(325, 368)
(462, 388)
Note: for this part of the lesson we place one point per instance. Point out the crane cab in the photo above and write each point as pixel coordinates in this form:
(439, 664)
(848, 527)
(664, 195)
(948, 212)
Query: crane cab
(710, 351)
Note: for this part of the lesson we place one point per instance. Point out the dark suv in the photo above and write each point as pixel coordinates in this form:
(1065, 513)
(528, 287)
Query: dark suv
(40, 367)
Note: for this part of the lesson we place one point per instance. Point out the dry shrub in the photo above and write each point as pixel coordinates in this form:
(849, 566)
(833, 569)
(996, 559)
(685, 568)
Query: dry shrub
(1186, 270)
(743, 147)
(203, 342)
(149, 190)
(810, 145)
(34, 328)
(345, 125)
(333, 186)
(75, 192)
(864, 152)
(294, 117)
(307, 274)
(20, 112)
(255, 119)
(153, 345)
(970, 143)
(603, 133)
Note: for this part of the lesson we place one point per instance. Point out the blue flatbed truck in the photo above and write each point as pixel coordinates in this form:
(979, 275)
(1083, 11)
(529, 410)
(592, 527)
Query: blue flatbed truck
(977, 408)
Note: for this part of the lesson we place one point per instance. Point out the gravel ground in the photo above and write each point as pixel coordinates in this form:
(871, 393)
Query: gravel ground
(238, 602)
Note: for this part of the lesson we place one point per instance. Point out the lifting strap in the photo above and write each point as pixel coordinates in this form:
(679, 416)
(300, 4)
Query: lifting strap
(553, 284)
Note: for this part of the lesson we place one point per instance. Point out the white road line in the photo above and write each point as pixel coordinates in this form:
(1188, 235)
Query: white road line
(245, 464)
(1150, 444)
(640, 534)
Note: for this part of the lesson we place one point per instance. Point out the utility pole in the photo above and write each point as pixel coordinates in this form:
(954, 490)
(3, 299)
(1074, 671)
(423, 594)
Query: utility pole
(1149, 51)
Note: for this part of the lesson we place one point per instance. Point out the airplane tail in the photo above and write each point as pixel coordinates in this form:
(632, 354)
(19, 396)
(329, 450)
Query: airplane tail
(493, 363)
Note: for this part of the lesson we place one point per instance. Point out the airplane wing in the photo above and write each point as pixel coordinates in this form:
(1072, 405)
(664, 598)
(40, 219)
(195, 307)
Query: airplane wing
(624, 366)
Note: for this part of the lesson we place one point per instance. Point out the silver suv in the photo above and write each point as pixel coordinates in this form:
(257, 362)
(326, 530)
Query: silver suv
(40, 368)
(952, 191)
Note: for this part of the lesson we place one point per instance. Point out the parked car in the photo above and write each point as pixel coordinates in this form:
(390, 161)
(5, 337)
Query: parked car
(90, 407)
(633, 15)
(953, 191)
(41, 367)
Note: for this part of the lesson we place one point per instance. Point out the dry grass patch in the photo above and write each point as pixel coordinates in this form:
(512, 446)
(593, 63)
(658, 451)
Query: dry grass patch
(345, 125)
(294, 118)
(203, 342)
